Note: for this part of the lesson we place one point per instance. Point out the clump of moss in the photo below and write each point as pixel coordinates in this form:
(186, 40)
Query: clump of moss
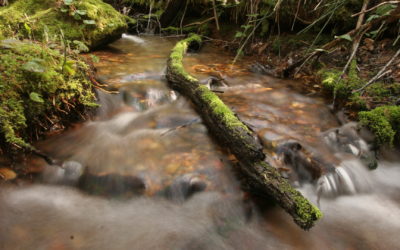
(38, 86)
(43, 19)
(342, 87)
(380, 92)
(384, 122)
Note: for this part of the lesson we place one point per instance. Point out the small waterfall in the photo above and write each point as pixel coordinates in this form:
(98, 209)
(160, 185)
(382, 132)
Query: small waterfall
(349, 178)
(133, 38)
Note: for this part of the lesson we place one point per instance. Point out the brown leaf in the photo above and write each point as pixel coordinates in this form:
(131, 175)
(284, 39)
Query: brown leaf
(7, 174)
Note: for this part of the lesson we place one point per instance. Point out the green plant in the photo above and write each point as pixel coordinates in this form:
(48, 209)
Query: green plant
(38, 85)
(72, 8)
(384, 122)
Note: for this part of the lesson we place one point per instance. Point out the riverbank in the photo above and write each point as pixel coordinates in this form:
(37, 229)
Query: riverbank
(45, 84)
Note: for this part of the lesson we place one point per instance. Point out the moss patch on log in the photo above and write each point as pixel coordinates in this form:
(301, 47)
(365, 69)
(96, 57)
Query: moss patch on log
(96, 23)
(38, 86)
(306, 214)
(219, 108)
(176, 57)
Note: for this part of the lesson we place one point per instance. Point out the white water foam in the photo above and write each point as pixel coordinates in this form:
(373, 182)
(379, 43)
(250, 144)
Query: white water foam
(349, 178)
(132, 38)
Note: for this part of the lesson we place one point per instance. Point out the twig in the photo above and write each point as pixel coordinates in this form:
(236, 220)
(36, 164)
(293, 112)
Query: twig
(356, 42)
(148, 21)
(199, 23)
(297, 13)
(277, 5)
(215, 14)
(183, 16)
(65, 51)
(196, 120)
(44, 156)
(380, 73)
(250, 35)
(375, 7)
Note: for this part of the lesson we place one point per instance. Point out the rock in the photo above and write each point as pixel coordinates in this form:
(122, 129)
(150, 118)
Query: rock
(111, 185)
(35, 88)
(96, 23)
(258, 68)
(349, 139)
(68, 174)
(183, 187)
(305, 166)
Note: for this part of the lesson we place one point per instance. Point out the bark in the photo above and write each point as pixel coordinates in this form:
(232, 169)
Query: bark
(234, 135)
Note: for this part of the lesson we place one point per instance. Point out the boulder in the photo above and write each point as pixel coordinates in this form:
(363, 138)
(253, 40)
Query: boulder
(92, 22)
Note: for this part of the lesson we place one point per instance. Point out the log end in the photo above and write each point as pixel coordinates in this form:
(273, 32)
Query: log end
(307, 213)
(304, 213)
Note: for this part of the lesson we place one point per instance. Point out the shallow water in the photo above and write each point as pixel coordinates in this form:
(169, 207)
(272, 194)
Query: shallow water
(149, 138)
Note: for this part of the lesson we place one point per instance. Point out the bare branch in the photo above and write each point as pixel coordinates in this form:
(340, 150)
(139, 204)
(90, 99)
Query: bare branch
(375, 7)
(215, 14)
(183, 16)
(381, 72)
(356, 42)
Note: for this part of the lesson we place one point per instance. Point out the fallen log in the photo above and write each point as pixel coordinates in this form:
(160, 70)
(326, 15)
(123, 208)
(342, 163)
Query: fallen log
(234, 135)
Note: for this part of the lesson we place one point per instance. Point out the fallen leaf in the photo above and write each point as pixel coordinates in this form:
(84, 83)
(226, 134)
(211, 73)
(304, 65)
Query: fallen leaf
(7, 174)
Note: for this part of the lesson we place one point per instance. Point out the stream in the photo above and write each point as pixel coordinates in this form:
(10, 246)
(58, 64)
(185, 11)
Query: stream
(145, 174)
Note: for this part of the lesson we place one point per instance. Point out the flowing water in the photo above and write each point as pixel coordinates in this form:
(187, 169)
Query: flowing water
(144, 173)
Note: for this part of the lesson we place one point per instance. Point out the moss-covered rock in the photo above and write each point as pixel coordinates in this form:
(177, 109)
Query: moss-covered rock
(91, 21)
(38, 88)
(384, 122)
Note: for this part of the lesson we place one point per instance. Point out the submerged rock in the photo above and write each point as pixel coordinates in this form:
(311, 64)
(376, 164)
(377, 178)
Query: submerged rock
(92, 22)
(347, 139)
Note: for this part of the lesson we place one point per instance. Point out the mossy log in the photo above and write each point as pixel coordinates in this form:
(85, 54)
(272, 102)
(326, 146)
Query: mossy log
(233, 134)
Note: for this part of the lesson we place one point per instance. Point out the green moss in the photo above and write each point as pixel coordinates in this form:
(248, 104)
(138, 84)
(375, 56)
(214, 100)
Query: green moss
(332, 82)
(219, 108)
(215, 102)
(44, 19)
(380, 92)
(176, 57)
(306, 212)
(175, 30)
(35, 86)
(357, 101)
(384, 122)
